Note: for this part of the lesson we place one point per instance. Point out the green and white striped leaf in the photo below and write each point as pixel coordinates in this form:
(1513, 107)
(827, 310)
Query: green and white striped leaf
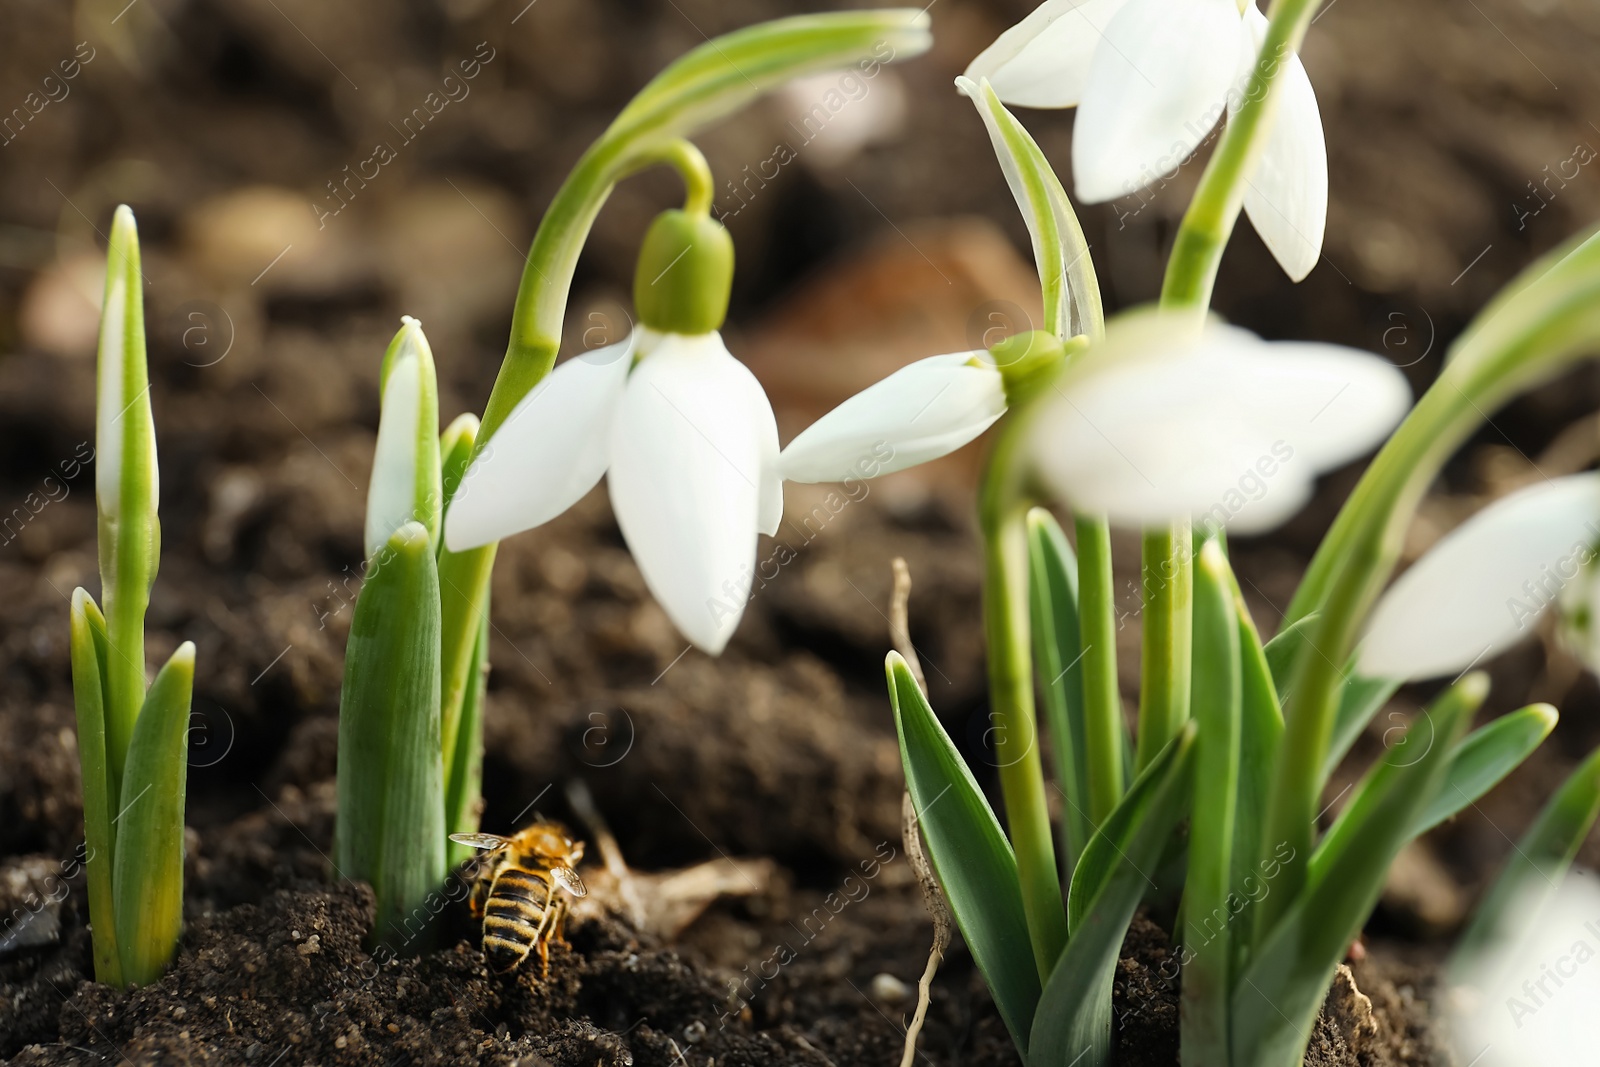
(88, 643)
(970, 854)
(405, 484)
(1066, 273)
(148, 860)
(127, 486)
(389, 830)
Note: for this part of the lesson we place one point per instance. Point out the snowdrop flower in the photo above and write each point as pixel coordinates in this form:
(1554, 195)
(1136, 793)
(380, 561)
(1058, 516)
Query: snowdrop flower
(1150, 79)
(682, 431)
(1168, 418)
(1528, 999)
(1482, 588)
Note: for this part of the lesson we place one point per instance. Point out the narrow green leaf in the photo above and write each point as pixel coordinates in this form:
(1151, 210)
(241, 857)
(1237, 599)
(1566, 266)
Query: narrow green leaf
(389, 830)
(1166, 654)
(1277, 997)
(464, 579)
(1066, 273)
(1208, 896)
(1105, 731)
(1260, 732)
(1073, 1023)
(88, 643)
(970, 853)
(1484, 757)
(405, 484)
(127, 487)
(1053, 587)
(1537, 864)
(1359, 699)
(464, 775)
(148, 860)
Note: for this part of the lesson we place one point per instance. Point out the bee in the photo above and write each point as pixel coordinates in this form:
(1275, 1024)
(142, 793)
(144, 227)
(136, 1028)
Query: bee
(519, 892)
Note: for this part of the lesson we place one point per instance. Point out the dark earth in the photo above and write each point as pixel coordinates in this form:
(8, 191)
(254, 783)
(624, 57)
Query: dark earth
(222, 125)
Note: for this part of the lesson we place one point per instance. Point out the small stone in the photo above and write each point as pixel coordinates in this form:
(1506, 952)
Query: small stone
(695, 1032)
(889, 989)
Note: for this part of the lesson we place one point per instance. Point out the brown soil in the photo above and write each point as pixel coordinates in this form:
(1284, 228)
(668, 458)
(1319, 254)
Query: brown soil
(222, 124)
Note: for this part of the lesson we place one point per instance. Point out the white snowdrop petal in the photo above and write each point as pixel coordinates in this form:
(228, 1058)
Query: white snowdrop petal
(1286, 194)
(685, 481)
(1527, 999)
(392, 494)
(1157, 85)
(549, 452)
(1171, 420)
(1043, 61)
(109, 406)
(764, 425)
(1481, 588)
(920, 412)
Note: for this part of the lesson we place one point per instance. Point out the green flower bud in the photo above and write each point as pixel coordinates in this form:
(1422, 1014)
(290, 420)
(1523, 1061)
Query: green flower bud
(1026, 361)
(685, 274)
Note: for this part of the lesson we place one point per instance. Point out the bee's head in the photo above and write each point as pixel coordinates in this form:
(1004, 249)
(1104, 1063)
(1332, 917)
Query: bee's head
(551, 840)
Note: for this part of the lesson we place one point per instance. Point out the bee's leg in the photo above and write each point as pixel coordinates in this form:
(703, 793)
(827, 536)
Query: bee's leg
(558, 928)
(541, 936)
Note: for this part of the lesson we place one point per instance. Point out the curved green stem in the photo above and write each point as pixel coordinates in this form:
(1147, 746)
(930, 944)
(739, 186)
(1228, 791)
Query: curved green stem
(1167, 629)
(1209, 221)
(1540, 326)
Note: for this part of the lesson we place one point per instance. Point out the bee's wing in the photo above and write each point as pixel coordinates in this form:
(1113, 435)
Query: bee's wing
(568, 879)
(484, 841)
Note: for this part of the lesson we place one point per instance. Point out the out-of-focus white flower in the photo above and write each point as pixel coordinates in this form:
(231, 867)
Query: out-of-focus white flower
(1528, 999)
(687, 440)
(1150, 79)
(1168, 418)
(1484, 585)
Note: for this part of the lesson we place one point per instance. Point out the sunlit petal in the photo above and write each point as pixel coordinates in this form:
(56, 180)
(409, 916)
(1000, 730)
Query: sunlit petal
(685, 480)
(1481, 588)
(1157, 85)
(1043, 61)
(1286, 195)
(1168, 419)
(920, 412)
(550, 451)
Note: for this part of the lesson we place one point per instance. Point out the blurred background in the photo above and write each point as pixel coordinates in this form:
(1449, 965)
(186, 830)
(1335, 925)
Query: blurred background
(304, 173)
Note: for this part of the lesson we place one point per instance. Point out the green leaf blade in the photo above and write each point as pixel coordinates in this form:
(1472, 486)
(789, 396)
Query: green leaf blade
(406, 475)
(1279, 993)
(389, 829)
(1073, 1023)
(970, 853)
(1208, 890)
(1484, 758)
(1058, 652)
(88, 646)
(148, 860)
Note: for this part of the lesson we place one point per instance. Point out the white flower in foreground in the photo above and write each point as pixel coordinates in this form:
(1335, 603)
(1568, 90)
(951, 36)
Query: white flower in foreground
(1484, 585)
(1150, 79)
(687, 440)
(921, 412)
(1167, 418)
(1528, 999)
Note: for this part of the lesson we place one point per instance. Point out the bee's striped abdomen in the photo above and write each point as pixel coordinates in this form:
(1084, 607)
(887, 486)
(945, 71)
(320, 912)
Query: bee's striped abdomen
(514, 917)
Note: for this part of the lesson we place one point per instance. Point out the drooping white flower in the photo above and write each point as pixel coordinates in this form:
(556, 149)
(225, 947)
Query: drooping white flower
(1527, 999)
(1482, 588)
(687, 440)
(1167, 419)
(1150, 79)
(921, 412)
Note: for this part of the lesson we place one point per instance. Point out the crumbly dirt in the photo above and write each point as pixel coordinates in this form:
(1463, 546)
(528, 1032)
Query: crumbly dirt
(223, 125)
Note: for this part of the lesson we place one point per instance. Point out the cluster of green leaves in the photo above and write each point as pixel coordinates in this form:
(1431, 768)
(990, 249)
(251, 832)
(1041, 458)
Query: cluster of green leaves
(132, 740)
(411, 708)
(1214, 802)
